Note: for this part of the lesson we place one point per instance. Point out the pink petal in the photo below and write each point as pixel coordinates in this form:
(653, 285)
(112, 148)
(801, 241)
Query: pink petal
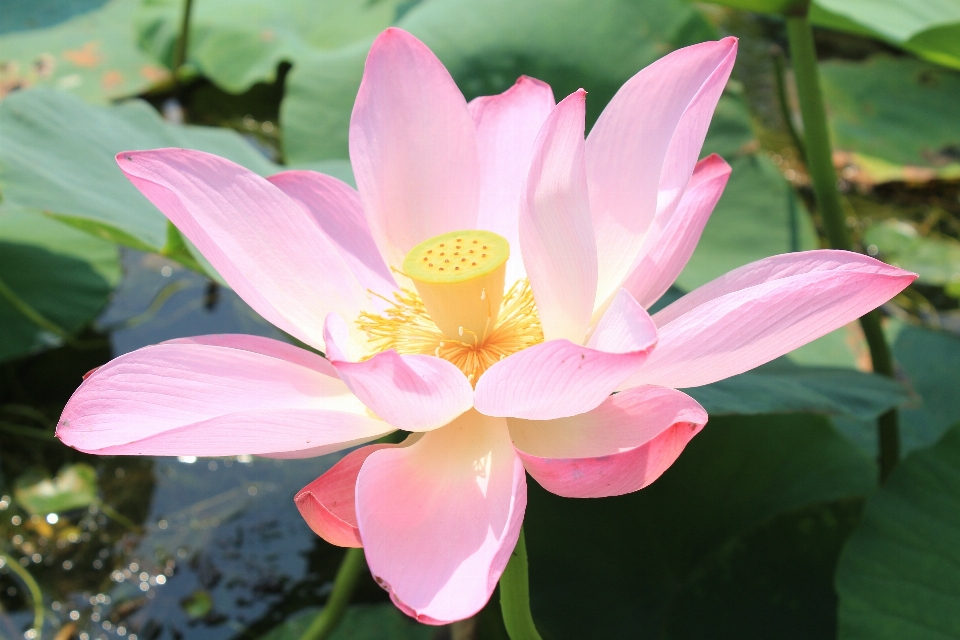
(507, 127)
(215, 396)
(413, 147)
(621, 446)
(642, 150)
(557, 379)
(556, 237)
(263, 346)
(328, 503)
(671, 242)
(439, 519)
(410, 392)
(260, 240)
(336, 208)
(763, 310)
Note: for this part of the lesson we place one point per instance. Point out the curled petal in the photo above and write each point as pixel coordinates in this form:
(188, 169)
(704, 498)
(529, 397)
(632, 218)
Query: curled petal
(507, 127)
(621, 446)
(216, 396)
(413, 147)
(411, 392)
(259, 239)
(763, 310)
(642, 150)
(557, 379)
(671, 241)
(439, 519)
(328, 503)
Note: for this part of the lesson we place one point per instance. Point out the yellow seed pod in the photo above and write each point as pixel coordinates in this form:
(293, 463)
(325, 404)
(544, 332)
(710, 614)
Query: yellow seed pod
(460, 277)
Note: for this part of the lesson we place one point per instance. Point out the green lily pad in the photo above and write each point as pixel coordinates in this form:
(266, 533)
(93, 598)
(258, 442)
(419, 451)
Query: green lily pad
(929, 360)
(935, 259)
(753, 220)
(919, 128)
(236, 43)
(57, 156)
(93, 54)
(360, 622)
(74, 487)
(929, 29)
(898, 576)
(198, 604)
(782, 388)
(54, 280)
(633, 558)
(494, 43)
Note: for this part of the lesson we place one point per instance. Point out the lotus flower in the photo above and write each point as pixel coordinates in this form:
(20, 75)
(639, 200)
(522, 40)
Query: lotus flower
(484, 288)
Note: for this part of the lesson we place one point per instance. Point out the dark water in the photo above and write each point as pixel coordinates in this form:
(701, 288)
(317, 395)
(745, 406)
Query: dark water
(176, 548)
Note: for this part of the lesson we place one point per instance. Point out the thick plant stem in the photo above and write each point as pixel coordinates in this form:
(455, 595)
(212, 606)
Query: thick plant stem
(180, 53)
(515, 595)
(819, 158)
(343, 586)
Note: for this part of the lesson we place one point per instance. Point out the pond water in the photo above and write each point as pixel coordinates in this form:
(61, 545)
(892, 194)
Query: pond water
(175, 548)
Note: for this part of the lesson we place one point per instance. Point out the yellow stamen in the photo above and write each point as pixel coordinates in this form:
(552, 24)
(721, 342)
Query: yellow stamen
(407, 327)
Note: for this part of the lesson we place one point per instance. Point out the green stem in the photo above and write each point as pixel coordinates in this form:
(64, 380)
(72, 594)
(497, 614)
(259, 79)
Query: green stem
(343, 586)
(780, 76)
(824, 178)
(32, 587)
(116, 516)
(515, 595)
(180, 55)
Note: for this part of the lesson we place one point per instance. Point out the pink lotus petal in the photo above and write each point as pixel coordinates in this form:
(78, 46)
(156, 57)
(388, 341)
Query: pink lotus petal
(621, 446)
(671, 241)
(336, 208)
(557, 379)
(556, 238)
(410, 392)
(642, 150)
(217, 396)
(626, 327)
(328, 503)
(263, 346)
(413, 147)
(763, 310)
(439, 519)
(507, 127)
(260, 240)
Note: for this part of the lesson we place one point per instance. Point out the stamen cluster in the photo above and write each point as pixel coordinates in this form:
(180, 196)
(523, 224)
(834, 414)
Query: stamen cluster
(406, 327)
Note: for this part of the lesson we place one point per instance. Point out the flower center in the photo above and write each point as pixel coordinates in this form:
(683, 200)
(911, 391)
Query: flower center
(459, 311)
(459, 277)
